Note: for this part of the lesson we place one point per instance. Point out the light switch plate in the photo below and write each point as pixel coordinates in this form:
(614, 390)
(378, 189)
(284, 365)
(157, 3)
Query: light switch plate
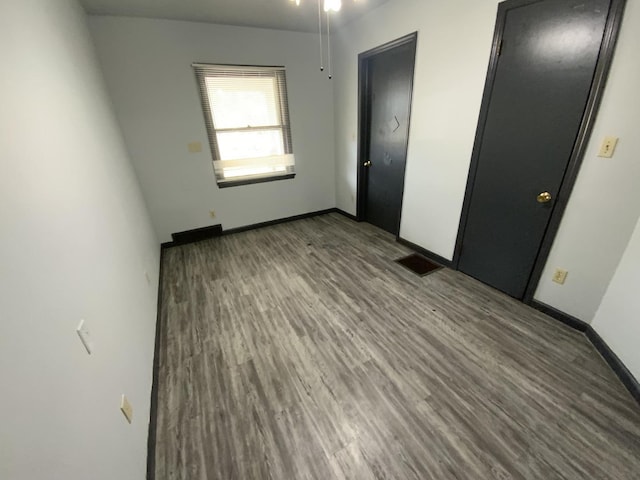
(608, 147)
(126, 408)
(195, 147)
(85, 337)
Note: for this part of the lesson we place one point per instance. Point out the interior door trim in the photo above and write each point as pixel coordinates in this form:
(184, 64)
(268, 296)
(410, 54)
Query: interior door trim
(605, 57)
(363, 119)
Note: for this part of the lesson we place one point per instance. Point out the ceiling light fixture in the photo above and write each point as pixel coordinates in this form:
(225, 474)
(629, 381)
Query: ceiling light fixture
(332, 5)
(329, 6)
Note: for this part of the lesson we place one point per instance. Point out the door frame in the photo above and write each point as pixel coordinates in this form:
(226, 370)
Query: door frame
(364, 113)
(605, 57)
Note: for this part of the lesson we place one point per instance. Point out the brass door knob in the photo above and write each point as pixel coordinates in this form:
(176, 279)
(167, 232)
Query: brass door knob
(367, 163)
(544, 197)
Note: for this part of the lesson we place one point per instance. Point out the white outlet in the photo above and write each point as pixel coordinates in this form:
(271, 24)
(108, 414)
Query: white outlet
(85, 337)
(608, 147)
(560, 276)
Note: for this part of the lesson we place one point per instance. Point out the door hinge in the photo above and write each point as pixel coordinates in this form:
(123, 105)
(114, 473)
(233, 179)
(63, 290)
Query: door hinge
(499, 48)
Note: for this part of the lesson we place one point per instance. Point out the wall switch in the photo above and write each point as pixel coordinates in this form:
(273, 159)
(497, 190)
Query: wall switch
(126, 408)
(608, 147)
(212, 213)
(560, 276)
(195, 147)
(83, 333)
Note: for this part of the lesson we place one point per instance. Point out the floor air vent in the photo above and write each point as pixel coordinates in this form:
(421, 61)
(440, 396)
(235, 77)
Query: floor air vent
(418, 264)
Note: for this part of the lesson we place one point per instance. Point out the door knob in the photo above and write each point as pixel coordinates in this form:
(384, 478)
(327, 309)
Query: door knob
(544, 197)
(367, 163)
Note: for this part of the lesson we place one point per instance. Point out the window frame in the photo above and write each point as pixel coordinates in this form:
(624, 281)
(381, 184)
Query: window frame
(278, 73)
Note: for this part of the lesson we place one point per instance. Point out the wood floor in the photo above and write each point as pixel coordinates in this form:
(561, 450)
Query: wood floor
(302, 351)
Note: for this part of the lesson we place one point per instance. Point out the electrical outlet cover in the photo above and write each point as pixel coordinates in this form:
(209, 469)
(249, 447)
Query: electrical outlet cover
(608, 147)
(560, 276)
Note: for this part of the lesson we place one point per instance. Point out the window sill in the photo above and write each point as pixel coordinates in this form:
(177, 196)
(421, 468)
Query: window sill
(251, 181)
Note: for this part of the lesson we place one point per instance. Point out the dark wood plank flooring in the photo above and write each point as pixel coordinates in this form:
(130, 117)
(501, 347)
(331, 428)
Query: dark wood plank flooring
(302, 351)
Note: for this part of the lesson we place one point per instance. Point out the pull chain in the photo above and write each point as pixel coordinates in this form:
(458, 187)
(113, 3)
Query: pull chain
(329, 46)
(320, 34)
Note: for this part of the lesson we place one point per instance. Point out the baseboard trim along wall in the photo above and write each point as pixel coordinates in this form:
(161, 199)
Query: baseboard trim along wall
(270, 223)
(153, 415)
(345, 214)
(205, 233)
(573, 322)
(609, 356)
(424, 252)
(620, 369)
(196, 235)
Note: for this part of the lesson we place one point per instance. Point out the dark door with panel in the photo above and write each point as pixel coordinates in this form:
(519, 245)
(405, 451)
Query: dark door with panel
(389, 88)
(542, 82)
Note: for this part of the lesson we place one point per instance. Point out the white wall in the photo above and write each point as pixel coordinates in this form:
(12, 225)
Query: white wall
(618, 318)
(147, 64)
(75, 242)
(454, 40)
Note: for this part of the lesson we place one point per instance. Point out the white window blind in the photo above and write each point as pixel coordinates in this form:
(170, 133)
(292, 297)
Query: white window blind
(247, 117)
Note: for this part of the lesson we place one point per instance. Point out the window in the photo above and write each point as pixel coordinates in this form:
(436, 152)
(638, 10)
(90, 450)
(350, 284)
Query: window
(247, 118)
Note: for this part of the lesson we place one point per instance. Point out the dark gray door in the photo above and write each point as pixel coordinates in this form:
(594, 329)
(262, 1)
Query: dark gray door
(389, 81)
(544, 73)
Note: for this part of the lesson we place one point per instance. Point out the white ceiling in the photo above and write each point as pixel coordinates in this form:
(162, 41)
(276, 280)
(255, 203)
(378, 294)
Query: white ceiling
(277, 14)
